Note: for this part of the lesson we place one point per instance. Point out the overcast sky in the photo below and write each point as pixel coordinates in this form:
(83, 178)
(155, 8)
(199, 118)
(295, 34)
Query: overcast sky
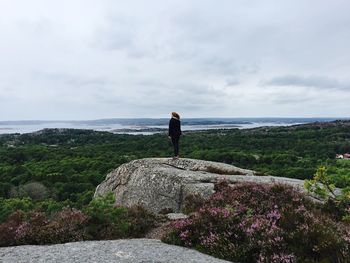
(85, 59)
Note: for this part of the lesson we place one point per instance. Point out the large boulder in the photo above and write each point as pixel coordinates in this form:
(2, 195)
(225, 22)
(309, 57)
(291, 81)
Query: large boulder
(163, 183)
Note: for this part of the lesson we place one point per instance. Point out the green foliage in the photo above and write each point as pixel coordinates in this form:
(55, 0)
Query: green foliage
(50, 206)
(69, 164)
(5, 189)
(339, 173)
(321, 184)
(8, 206)
(107, 221)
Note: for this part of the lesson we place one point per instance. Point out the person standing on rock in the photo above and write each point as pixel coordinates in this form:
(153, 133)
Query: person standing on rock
(175, 132)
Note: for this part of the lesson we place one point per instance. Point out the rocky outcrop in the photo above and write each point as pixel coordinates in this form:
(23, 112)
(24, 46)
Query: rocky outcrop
(123, 251)
(163, 183)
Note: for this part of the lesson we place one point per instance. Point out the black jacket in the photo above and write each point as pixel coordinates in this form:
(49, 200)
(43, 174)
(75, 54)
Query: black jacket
(174, 128)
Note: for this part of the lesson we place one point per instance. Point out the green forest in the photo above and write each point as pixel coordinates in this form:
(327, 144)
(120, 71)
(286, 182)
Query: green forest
(54, 168)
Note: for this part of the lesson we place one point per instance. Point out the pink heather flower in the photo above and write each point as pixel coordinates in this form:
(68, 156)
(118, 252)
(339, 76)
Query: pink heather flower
(274, 215)
(218, 196)
(283, 258)
(218, 211)
(301, 209)
(214, 211)
(181, 223)
(296, 199)
(255, 226)
(184, 235)
(226, 213)
(303, 227)
(202, 210)
(261, 259)
(347, 235)
(276, 258)
(277, 239)
(209, 240)
(21, 230)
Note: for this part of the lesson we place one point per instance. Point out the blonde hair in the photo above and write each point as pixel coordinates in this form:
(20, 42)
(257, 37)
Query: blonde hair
(176, 115)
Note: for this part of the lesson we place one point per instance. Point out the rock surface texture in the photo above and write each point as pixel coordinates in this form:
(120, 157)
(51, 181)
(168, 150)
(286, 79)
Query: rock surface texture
(163, 183)
(123, 251)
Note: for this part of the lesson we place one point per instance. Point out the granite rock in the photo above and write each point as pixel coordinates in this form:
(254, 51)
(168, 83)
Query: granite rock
(163, 183)
(122, 251)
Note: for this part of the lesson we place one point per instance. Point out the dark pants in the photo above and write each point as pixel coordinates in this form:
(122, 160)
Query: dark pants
(175, 141)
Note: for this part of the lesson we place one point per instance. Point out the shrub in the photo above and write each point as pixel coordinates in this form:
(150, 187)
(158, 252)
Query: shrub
(98, 220)
(66, 225)
(8, 230)
(50, 206)
(262, 223)
(107, 221)
(141, 221)
(36, 228)
(192, 203)
(322, 186)
(9, 206)
(33, 190)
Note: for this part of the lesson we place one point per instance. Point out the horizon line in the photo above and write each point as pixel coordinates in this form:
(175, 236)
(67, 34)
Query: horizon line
(158, 118)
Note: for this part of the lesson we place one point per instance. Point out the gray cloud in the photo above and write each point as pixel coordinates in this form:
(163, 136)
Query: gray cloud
(283, 99)
(232, 82)
(310, 81)
(116, 34)
(200, 57)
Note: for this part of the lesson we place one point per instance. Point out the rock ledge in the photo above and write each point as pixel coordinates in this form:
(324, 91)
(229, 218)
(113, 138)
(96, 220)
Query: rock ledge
(123, 251)
(162, 184)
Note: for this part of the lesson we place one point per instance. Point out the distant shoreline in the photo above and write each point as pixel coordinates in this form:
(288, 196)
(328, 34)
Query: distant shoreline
(152, 126)
(162, 121)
